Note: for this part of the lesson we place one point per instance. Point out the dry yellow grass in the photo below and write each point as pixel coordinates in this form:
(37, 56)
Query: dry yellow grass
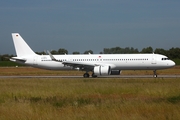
(91, 98)
(35, 71)
(80, 98)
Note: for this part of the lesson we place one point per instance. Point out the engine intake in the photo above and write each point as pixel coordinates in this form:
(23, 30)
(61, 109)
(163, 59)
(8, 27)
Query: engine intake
(102, 70)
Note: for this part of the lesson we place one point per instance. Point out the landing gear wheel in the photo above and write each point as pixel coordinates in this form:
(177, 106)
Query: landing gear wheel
(155, 74)
(86, 75)
(93, 75)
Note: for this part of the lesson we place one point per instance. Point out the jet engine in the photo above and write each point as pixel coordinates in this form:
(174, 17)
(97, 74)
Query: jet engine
(102, 70)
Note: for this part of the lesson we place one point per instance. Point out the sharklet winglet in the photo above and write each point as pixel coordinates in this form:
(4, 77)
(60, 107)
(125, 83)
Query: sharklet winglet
(52, 57)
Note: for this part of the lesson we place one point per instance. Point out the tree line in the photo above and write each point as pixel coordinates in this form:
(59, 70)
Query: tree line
(172, 53)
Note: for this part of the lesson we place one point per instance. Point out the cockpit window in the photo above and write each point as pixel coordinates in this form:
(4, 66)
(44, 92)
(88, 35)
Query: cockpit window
(165, 58)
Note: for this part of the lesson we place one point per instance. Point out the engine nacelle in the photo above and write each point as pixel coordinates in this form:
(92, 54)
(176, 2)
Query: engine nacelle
(102, 70)
(115, 72)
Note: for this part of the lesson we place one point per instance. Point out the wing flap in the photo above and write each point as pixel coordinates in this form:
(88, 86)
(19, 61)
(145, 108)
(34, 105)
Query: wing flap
(79, 65)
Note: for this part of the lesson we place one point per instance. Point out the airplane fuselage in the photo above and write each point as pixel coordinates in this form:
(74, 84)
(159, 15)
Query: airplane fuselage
(115, 61)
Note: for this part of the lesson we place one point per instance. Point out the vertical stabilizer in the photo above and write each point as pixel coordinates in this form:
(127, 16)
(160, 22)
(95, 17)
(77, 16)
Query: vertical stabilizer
(21, 47)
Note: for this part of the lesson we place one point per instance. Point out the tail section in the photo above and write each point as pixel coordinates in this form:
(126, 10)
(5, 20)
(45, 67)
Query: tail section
(21, 47)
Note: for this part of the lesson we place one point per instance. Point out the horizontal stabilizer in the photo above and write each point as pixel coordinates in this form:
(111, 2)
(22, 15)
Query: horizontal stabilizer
(17, 59)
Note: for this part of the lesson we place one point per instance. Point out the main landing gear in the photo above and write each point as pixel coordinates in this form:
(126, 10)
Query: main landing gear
(155, 74)
(86, 75)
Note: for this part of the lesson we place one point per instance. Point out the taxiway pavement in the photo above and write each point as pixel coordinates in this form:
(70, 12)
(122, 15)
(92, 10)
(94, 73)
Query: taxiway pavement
(112, 76)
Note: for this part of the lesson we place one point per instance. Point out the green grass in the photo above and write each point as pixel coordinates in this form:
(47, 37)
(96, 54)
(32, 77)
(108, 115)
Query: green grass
(80, 98)
(9, 64)
(177, 61)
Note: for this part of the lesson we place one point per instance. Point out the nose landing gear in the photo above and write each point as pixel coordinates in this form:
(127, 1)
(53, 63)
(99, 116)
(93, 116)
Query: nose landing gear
(155, 74)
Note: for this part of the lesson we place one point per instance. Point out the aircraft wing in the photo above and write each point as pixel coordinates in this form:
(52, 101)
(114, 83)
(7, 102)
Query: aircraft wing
(86, 66)
(81, 65)
(71, 63)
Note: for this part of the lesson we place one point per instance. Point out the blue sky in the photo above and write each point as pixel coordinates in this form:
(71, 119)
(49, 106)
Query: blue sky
(80, 25)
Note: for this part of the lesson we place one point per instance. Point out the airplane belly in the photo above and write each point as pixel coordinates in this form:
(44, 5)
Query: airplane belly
(135, 66)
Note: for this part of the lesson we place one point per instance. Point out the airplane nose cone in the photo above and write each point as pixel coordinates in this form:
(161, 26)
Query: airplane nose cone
(172, 63)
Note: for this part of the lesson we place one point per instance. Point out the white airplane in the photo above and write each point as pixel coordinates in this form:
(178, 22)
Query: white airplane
(98, 64)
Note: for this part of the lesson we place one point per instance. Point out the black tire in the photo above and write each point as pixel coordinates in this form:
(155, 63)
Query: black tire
(94, 76)
(86, 75)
